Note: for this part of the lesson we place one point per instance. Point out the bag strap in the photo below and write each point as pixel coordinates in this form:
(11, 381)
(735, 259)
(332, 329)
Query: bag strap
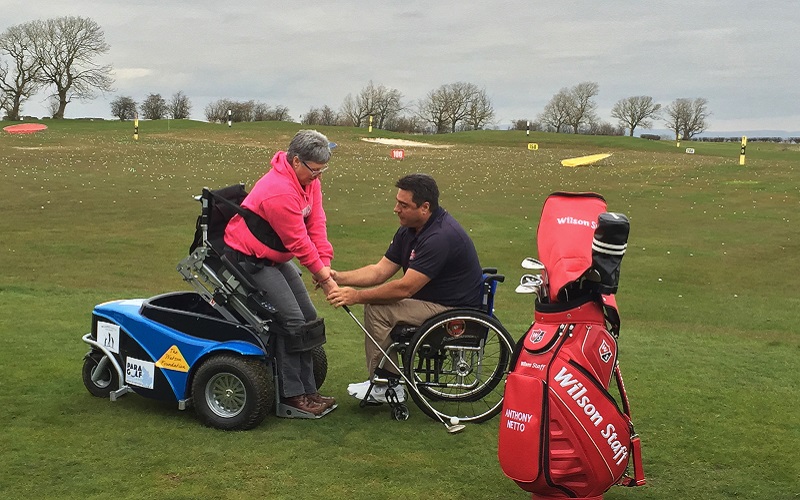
(638, 478)
(257, 225)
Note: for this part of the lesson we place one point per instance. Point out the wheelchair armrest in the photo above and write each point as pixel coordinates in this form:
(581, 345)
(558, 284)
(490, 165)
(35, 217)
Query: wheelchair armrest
(489, 270)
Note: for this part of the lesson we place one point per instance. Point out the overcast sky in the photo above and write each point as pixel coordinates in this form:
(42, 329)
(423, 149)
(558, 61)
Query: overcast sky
(741, 55)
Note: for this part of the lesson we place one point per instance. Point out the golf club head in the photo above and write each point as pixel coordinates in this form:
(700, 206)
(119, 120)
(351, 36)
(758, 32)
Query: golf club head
(532, 264)
(455, 429)
(530, 283)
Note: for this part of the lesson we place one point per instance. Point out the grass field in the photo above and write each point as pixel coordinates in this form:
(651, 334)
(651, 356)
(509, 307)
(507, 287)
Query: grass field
(709, 347)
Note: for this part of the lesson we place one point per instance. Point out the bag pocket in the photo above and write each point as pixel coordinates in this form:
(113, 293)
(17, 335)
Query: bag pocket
(520, 436)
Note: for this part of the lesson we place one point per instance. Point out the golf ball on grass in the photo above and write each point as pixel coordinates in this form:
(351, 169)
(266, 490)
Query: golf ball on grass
(454, 420)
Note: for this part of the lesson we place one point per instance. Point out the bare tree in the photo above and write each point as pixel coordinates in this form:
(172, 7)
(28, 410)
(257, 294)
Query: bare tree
(261, 112)
(459, 95)
(19, 80)
(455, 104)
(320, 116)
(556, 112)
(581, 107)
(280, 114)
(386, 104)
(123, 107)
(687, 117)
(432, 109)
(328, 116)
(480, 111)
(636, 111)
(350, 113)
(154, 107)
(179, 106)
(66, 49)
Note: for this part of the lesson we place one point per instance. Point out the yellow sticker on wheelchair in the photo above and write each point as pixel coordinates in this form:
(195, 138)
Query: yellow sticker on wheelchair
(173, 360)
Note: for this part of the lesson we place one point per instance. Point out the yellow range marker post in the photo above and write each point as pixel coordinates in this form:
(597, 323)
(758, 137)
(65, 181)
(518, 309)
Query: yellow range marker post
(741, 153)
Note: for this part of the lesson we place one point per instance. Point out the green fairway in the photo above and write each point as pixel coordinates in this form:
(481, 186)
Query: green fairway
(709, 344)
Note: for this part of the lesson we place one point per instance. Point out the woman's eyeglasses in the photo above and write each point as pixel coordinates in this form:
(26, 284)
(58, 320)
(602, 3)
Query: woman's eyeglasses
(314, 173)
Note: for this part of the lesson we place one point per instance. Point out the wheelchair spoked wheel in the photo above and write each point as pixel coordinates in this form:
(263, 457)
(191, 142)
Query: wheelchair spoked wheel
(457, 361)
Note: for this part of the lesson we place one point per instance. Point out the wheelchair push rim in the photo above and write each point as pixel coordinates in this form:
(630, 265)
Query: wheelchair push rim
(457, 362)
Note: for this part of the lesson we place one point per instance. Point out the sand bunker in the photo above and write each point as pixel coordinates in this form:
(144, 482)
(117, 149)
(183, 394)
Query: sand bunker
(403, 142)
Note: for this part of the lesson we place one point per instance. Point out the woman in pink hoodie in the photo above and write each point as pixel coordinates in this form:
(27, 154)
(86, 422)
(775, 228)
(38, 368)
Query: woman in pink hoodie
(289, 198)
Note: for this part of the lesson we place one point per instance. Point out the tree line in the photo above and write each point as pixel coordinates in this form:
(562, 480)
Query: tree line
(574, 109)
(60, 54)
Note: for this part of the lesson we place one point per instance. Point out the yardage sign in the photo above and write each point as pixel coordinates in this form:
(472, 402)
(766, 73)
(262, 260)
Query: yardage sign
(533, 146)
(398, 154)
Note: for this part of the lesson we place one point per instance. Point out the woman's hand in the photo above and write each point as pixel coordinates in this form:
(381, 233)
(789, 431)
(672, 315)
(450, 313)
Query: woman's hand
(328, 286)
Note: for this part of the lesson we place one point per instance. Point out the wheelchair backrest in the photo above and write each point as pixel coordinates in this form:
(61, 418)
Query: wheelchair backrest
(214, 217)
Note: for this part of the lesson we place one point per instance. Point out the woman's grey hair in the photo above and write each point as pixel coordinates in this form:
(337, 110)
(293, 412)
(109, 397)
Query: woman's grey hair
(309, 145)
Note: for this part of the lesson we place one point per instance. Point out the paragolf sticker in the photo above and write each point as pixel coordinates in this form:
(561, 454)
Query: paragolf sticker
(139, 373)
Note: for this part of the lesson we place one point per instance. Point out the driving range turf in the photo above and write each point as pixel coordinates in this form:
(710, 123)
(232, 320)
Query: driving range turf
(709, 344)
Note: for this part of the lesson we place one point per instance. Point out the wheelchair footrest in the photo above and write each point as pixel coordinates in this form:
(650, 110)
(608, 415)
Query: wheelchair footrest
(285, 411)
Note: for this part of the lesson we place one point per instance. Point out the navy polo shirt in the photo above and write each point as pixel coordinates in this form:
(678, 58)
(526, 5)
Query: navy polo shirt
(443, 252)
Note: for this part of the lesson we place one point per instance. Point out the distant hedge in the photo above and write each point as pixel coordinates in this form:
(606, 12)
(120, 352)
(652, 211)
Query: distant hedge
(652, 137)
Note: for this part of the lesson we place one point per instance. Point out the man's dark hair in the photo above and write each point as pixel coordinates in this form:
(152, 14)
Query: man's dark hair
(422, 187)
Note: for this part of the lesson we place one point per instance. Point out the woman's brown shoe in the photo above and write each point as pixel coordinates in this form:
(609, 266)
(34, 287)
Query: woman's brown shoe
(304, 403)
(326, 401)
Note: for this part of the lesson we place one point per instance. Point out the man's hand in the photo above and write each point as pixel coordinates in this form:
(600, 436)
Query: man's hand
(343, 296)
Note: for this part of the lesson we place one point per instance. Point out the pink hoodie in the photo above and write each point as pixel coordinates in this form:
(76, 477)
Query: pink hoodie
(294, 212)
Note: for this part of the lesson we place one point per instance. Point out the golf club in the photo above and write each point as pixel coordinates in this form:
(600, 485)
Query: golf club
(453, 428)
(536, 265)
(529, 283)
(532, 264)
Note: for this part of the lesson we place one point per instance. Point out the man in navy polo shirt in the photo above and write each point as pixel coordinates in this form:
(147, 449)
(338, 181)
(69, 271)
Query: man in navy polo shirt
(440, 271)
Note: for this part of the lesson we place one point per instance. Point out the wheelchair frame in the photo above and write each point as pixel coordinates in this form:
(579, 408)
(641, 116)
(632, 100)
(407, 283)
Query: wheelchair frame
(455, 361)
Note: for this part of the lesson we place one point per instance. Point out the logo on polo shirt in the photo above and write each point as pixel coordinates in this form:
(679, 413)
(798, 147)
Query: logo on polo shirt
(413, 254)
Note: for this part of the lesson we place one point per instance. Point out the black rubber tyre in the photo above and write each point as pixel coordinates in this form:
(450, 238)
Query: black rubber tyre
(320, 365)
(400, 412)
(459, 374)
(232, 392)
(107, 381)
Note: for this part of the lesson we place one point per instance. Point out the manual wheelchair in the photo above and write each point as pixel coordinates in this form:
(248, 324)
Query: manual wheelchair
(453, 364)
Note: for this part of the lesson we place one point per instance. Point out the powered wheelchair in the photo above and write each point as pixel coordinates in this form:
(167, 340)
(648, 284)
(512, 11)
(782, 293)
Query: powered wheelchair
(211, 348)
(452, 364)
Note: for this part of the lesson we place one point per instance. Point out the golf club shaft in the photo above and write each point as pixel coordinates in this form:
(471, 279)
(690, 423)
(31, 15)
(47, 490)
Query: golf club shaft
(394, 365)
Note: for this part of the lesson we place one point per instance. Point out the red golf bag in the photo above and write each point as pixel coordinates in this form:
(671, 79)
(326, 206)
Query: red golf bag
(562, 434)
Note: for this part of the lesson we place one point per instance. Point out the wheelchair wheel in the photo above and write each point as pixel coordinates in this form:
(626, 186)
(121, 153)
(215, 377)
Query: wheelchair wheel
(232, 392)
(100, 378)
(320, 365)
(457, 361)
(400, 412)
